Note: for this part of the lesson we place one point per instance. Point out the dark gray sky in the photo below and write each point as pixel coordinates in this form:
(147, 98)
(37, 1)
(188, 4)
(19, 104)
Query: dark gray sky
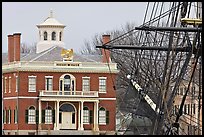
(82, 19)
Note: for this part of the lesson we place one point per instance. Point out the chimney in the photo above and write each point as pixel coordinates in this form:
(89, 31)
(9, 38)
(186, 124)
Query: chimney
(105, 52)
(17, 42)
(10, 48)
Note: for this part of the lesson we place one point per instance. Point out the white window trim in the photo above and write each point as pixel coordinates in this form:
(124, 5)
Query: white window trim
(9, 116)
(4, 116)
(16, 117)
(16, 83)
(46, 115)
(29, 115)
(5, 84)
(102, 78)
(48, 76)
(88, 118)
(35, 83)
(89, 83)
(9, 90)
(46, 83)
(99, 118)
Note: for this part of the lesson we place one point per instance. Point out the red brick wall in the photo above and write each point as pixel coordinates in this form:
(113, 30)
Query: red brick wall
(25, 103)
(94, 82)
(12, 104)
(13, 85)
(109, 105)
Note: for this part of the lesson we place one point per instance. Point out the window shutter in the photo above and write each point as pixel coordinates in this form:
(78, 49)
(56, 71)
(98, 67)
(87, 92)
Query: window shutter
(53, 116)
(37, 116)
(10, 115)
(107, 117)
(3, 116)
(43, 116)
(14, 116)
(80, 115)
(17, 115)
(91, 115)
(26, 116)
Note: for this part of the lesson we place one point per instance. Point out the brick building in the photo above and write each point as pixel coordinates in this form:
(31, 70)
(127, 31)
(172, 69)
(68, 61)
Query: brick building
(44, 93)
(191, 119)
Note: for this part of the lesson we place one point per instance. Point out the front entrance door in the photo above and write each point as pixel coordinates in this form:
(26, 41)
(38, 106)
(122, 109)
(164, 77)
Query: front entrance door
(66, 120)
(67, 116)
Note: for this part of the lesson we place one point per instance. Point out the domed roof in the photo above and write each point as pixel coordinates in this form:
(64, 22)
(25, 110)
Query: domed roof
(51, 21)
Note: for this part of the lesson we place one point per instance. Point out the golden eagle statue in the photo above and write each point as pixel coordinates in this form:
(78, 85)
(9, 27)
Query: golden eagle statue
(68, 54)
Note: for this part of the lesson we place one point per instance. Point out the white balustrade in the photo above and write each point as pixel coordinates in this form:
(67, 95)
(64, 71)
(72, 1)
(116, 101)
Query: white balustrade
(69, 93)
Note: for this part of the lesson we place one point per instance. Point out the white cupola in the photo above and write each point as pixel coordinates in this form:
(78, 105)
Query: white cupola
(51, 33)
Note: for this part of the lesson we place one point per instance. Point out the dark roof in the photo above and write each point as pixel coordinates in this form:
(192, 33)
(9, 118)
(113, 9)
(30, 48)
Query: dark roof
(53, 54)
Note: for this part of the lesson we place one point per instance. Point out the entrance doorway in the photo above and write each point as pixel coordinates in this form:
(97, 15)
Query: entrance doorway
(68, 116)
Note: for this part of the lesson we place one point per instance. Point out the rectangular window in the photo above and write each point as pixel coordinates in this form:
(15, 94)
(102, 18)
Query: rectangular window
(188, 109)
(9, 116)
(4, 116)
(184, 109)
(48, 83)
(5, 84)
(102, 84)
(73, 118)
(181, 90)
(15, 115)
(48, 116)
(191, 109)
(86, 84)
(194, 108)
(32, 84)
(9, 85)
(86, 116)
(16, 83)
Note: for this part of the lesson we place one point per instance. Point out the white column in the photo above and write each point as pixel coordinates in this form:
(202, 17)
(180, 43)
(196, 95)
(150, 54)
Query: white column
(55, 125)
(57, 121)
(96, 116)
(79, 125)
(40, 114)
(82, 115)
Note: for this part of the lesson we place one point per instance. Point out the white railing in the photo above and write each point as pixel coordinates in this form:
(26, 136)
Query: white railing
(69, 93)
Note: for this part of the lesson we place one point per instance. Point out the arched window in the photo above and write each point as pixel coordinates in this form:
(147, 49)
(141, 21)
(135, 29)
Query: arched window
(86, 115)
(60, 36)
(45, 35)
(53, 35)
(31, 115)
(67, 83)
(103, 116)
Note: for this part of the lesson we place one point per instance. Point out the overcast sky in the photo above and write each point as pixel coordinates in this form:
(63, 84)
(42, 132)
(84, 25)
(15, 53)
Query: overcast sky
(82, 19)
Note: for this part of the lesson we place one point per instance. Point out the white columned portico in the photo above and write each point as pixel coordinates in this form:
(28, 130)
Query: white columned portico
(57, 121)
(82, 115)
(40, 114)
(96, 116)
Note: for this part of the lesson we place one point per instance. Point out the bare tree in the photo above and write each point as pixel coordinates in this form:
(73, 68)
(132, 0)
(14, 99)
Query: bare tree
(156, 71)
(26, 48)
